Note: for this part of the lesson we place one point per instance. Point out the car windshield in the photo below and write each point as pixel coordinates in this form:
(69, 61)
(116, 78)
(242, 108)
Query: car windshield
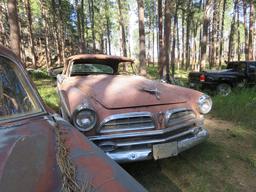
(85, 69)
(16, 98)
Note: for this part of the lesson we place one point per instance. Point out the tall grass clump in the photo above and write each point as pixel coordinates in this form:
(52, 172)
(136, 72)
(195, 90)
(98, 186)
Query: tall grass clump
(239, 107)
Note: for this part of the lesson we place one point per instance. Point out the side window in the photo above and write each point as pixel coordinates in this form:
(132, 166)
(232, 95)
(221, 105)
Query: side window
(252, 68)
(241, 67)
(16, 98)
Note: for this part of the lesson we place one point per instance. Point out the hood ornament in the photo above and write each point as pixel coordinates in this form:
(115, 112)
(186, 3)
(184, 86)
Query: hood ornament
(154, 91)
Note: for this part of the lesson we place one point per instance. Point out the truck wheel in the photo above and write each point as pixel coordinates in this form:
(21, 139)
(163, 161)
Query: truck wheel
(242, 83)
(224, 89)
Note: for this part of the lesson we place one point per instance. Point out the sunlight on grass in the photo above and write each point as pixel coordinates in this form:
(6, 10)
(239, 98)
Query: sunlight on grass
(47, 90)
(239, 107)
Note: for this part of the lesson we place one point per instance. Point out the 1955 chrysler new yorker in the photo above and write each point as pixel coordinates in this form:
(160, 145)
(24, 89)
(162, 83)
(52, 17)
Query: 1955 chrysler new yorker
(131, 118)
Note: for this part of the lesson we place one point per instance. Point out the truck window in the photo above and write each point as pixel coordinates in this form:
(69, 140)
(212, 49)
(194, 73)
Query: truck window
(252, 68)
(240, 67)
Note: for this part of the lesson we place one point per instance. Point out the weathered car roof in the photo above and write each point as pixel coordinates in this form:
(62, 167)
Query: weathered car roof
(100, 57)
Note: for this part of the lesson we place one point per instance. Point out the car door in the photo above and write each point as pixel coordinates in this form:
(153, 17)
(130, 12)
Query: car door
(252, 73)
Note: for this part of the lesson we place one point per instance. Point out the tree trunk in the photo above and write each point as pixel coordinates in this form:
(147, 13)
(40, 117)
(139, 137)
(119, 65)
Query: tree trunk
(142, 55)
(246, 49)
(153, 36)
(82, 27)
(238, 35)
(3, 35)
(121, 21)
(231, 36)
(215, 40)
(31, 36)
(205, 35)
(14, 27)
(183, 40)
(57, 31)
(78, 10)
(250, 44)
(167, 31)
(222, 32)
(108, 26)
(178, 42)
(161, 55)
(46, 32)
(174, 39)
(92, 19)
(189, 19)
(122, 27)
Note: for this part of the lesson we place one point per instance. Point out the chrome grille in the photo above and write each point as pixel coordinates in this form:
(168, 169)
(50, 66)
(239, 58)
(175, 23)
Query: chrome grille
(127, 122)
(179, 116)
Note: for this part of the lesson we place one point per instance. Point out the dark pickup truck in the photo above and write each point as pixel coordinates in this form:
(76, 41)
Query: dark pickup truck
(237, 74)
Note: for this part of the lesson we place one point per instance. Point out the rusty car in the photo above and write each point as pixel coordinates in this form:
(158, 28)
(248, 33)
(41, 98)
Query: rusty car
(39, 150)
(130, 117)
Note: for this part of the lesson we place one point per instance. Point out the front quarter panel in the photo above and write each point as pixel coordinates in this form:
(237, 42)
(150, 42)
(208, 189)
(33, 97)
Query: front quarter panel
(94, 169)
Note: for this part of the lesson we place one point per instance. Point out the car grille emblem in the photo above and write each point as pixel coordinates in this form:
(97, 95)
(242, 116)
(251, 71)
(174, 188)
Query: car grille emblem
(154, 91)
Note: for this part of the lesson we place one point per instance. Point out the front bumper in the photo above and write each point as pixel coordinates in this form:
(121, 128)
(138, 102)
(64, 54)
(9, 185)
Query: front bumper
(140, 150)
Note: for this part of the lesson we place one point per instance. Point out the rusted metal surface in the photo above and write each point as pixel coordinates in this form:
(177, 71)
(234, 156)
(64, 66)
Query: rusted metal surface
(29, 159)
(89, 57)
(110, 95)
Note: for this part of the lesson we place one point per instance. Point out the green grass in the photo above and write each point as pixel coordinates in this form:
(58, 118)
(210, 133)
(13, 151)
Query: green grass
(47, 89)
(239, 107)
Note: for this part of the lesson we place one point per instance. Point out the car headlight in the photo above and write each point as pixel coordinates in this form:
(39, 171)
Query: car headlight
(204, 104)
(84, 119)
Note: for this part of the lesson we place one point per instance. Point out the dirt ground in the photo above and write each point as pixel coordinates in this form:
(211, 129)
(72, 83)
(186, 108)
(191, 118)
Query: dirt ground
(225, 162)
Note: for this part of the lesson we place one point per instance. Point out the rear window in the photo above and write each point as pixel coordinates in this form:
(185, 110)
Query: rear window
(241, 67)
(86, 69)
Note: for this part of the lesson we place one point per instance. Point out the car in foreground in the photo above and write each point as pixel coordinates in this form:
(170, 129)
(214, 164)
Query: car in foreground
(39, 150)
(131, 118)
(237, 74)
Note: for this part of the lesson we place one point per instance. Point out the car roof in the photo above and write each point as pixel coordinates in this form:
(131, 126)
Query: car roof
(102, 57)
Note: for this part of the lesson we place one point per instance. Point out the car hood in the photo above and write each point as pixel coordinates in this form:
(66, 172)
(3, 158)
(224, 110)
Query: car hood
(117, 91)
(27, 157)
(28, 160)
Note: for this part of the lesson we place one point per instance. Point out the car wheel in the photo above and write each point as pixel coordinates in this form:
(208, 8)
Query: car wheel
(224, 89)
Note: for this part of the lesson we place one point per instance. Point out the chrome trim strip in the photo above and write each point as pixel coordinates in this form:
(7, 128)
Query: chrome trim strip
(145, 153)
(124, 116)
(141, 133)
(152, 141)
(126, 129)
(63, 101)
(170, 112)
